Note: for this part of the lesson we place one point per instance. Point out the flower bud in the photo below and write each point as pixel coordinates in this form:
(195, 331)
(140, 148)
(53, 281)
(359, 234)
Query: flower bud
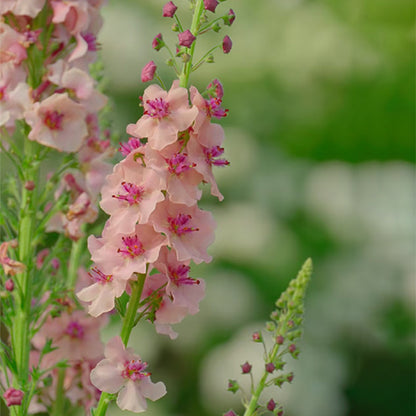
(185, 57)
(209, 59)
(257, 336)
(175, 27)
(227, 44)
(210, 5)
(233, 386)
(280, 339)
(292, 348)
(186, 38)
(148, 71)
(270, 326)
(271, 405)
(270, 367)
(216, 27)
(13, 397)
(230, 413)
(9, 285)
(30, 185)
(229, 19)
(246, 368)
(169, 9)
(158, 42)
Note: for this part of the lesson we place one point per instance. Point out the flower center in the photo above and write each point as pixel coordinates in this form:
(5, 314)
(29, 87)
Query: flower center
(99, 277)
(178, 163)
(75, 330)
(134, 370)
(134, 193)
(214, 152)
(53, 120)
(214, 109)
(91, 41)
(2, 93)
(179, 276)
(132, 247)
(157, 108)
(180, 225)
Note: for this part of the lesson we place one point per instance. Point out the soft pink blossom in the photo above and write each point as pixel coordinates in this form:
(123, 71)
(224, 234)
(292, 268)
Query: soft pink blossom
(22, 7)
(189, 230)
(73, 14)
(102, 292)
(124, 372)
(130, 194)
(166, 113)
(11, 267)
(57, 122)
(121, 255)
(12, 45)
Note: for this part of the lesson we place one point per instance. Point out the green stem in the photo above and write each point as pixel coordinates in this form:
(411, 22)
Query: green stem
(58, 406)
(252, 406)
(128, 324)
(196, 22)
(76, 252)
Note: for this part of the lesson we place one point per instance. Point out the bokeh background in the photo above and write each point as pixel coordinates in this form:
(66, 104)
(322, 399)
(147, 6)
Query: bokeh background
(320, 136)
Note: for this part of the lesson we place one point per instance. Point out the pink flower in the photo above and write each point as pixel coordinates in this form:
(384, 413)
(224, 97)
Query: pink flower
(165, 114)
(157, 42)
(73, 14)
(57, 122)
(22, 7)
(76, 336)
(122, 255)
(13, 397)
(189, 230)
(184, 290)
(130, 194)
(169, 9)
(10, 266)
(124, 372)
(186, 38)
(148, 71)
(102, 292)
(226, 44)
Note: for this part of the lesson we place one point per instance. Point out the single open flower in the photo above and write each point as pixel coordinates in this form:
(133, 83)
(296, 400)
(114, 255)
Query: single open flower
(124, 372)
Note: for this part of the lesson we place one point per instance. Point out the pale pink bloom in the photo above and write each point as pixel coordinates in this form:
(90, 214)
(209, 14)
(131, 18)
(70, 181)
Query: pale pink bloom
(124, 372)
(130, 194)
(166, 311)
(165, 114)
(12, 45)
(121, 255)
(178, 172)
(102, 292)
(73, 14)
(189, 230)
(71, 78)
(58, 122)
(132, 144)
(14, 101)
(76, 335)
(11, 267)
(22, 7)
(184, 290)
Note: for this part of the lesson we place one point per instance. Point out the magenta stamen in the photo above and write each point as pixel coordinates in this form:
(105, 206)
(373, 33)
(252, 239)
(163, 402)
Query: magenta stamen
(53, 120)
(126, 148)
(178, 163)
(134, 370)
(134, 193)
(214, 152)
(179, 276)
(99, 277)
(179, 225)
(214, 109)
(133, 247)
(75, 330)
(157, 108)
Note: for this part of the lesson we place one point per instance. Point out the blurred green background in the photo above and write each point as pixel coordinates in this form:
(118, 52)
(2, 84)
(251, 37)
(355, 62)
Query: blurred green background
(320, 136)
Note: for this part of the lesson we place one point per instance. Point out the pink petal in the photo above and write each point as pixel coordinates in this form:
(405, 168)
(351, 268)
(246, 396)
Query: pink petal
(106, 377)
(130, 398)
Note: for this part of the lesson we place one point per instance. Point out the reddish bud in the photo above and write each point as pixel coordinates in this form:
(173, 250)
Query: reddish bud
(55, 263)
(148, 71)
(280, 339)
(158, 42)
(186, 38)
(226, 44)
(270, 367)
(30, 185)
(292, 348)
(230, 413)
(271, 405)
(256, 336)
(231, 17)
(169, 9)
(233, 386)
(13, 397)
(9, 285)
(210, 5)
(290, 324)
(290, 377)
(246, 368)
